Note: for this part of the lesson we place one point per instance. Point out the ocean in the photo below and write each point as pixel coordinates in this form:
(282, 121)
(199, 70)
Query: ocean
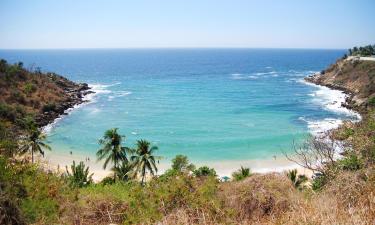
(213, 105)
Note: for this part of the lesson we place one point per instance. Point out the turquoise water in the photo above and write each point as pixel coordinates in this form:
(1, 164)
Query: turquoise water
(209, 104)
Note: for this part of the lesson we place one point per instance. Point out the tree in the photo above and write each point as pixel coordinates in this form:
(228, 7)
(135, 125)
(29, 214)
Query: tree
(296, 180)
(124, 171)
(79, 176)
(241, 173)
(144, 159)
(204, 171)
(34, 142)
(316, 154)
(181, 164)
(111, 150)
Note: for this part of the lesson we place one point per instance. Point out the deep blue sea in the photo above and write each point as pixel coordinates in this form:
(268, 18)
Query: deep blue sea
(208, 104)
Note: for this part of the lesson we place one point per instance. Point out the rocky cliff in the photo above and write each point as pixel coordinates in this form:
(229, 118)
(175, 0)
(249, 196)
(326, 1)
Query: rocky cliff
(354, 77)
(31, 94)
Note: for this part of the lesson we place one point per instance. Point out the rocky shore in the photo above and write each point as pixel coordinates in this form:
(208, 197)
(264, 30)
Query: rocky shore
(74, 94)
(355, 78)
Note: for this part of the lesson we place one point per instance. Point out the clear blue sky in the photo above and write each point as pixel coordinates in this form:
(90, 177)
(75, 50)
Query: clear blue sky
(190, 23)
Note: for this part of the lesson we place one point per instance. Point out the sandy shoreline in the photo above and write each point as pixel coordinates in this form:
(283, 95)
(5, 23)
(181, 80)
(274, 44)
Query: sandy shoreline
(58, 161)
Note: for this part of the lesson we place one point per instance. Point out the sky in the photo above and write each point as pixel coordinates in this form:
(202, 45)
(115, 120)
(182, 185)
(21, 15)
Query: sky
(46, 24)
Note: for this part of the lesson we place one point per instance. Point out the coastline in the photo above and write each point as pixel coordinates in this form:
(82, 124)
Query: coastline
(57, 162)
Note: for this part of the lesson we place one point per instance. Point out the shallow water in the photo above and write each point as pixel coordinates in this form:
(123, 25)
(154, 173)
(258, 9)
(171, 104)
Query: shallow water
(209, 104)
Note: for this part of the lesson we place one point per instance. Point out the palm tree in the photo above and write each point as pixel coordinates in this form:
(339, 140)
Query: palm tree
(111, 150)
(124, 171)
(34, 142)
(144, 159)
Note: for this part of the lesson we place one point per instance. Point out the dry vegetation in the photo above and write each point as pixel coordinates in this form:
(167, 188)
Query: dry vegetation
(344, 193)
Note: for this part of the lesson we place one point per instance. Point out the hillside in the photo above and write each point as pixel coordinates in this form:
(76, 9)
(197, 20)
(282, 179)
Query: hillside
(355, 77)
(31, 94)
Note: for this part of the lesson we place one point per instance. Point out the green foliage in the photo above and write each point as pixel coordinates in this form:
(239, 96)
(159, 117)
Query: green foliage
(137, 204)
(34, 142)
(371, 101)
(144, 160)
(318, 182)
(124, 171)
(29, 88)
(180, 163)
(241, 174)
(79, 175)
(362, 51)
(49, 107)
(112, 150)
(297, 181)
(205, 171)
(107, 181)
(30, 195)
(350, 162)
(3, 65)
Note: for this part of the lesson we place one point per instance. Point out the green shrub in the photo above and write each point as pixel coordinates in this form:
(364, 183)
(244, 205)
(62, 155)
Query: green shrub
(29, 88)
(371, 101)
(345, 133)
(79, 175)
(241, 174)
(137, 204)
(7, 112)
(107, 181)
(318, 182)
(38, 195)
(351, 162)
(181, 164)
(204, 171)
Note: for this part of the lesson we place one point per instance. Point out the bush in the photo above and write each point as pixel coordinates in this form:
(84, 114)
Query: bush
(29, 88)
(205, 171)
(107, 181)
(181, 164)
(131, 203)
(319, 182)
(371, 101)
(79, 175)
(7, 112)
(37, 194)
(344, 133)
(241, 174)
(351, 162)
(49, 107)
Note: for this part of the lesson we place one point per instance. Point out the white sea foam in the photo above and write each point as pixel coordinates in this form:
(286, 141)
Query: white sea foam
(330, 100)
(239, 76)
(88, 99)
(320, 127)
(119, 94)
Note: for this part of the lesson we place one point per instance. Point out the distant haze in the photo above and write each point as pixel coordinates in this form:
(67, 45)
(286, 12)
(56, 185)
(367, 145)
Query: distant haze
(44, 24)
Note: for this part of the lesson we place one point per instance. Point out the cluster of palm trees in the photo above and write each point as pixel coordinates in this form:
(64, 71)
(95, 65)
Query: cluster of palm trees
(128, 163)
